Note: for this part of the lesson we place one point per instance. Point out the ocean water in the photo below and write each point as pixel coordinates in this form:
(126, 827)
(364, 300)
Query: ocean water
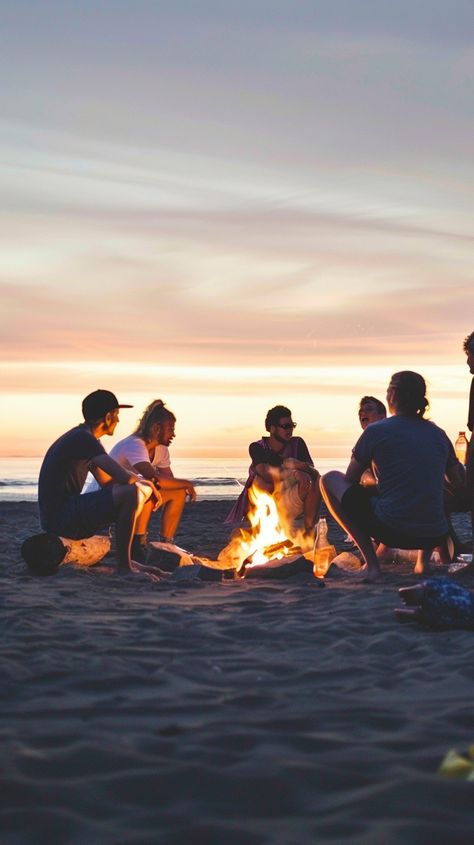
(214, 478)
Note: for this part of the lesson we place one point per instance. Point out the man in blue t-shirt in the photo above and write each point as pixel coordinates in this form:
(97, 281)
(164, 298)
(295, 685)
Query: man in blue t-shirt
(67, 513)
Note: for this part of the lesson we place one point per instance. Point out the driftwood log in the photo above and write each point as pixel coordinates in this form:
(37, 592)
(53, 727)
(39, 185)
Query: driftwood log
(45, 553)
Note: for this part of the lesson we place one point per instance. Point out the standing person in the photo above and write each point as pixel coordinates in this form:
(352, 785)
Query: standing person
(67, 513)
(410, 456)
(468, 347)
(282, 461)
(146, 452)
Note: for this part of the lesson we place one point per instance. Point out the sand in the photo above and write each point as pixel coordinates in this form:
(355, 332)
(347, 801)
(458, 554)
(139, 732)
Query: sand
(213, 714)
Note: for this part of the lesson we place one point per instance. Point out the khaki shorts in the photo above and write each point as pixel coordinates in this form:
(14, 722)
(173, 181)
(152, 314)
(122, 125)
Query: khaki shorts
(288, 497)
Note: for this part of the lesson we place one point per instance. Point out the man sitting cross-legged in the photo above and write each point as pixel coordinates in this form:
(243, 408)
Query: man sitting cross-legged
(123, 501)
(282, 465)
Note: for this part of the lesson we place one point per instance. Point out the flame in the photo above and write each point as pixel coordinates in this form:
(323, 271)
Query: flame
(269, 537)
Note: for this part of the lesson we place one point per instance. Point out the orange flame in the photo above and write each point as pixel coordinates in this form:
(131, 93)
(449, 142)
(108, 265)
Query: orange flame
(268, 537)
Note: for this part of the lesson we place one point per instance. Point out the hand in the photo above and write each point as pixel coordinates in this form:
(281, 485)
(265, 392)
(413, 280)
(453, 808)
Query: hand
(149, 492)
(190, 491)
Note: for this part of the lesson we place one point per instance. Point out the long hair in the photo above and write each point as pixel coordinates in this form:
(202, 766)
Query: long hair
(409, 394)
(155, 412)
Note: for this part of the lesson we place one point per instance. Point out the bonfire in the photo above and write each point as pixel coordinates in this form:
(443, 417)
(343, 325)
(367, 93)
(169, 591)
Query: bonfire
(270, 540)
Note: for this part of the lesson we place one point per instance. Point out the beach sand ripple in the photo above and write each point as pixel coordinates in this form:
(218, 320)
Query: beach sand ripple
(244, 712)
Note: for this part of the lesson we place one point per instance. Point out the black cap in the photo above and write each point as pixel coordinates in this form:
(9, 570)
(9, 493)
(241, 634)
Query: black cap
(99, 403)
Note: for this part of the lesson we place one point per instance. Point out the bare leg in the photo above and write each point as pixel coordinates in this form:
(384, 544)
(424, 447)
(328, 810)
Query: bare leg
(126, 503)
(333, 486)
(384, 553)
(445, 551)
(129, 499)
(143, 517)
(172, 509)
(422, 566)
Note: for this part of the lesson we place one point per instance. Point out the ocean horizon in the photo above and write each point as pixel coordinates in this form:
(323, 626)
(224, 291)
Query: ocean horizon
(214, 478)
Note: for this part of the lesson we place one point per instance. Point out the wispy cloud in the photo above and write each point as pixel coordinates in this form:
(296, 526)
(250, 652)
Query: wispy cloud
(247, 187)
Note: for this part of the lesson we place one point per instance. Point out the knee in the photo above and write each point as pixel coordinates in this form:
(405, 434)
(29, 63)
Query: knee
(126, 496)
(175, 497)
(181, 496)
(305, 483)
(329, 480)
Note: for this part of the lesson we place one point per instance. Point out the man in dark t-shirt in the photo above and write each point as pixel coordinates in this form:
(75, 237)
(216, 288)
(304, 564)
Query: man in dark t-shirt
(67, 513)
(282, 465)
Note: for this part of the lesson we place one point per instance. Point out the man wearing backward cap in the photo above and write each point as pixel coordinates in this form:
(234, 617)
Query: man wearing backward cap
(67, 513)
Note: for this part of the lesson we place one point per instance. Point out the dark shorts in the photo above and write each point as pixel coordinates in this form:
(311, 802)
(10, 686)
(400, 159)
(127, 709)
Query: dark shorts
(83, 515)
(358, 503)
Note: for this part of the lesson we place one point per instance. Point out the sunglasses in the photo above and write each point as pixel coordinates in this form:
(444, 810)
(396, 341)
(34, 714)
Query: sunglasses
(287, 426)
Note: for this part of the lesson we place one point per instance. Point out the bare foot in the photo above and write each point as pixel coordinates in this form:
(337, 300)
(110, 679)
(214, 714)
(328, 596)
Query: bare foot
(364, 574)
(140, 571)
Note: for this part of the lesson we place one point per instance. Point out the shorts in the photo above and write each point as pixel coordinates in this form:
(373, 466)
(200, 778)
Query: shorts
(358, 503)
(83, 515)
(292, 500)
(288, 495)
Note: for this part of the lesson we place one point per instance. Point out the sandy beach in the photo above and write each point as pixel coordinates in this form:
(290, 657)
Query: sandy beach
(249, 711)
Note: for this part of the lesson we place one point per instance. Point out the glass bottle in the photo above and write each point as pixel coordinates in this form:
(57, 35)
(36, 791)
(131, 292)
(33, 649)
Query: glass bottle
(460, 447)
(324, 551)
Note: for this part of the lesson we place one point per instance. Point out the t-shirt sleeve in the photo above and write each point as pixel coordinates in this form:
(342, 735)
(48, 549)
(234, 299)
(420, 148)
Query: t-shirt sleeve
(130, 451)
(260, 455)
(452, 459)
(85, 446)
(302, 453)
(136, 452)
(362, 451)
(161, 458)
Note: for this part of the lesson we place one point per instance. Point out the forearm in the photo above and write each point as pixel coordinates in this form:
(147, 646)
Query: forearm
(109, 468)
(265, 476)
(354, 472)
(150, 472)
(170, 483)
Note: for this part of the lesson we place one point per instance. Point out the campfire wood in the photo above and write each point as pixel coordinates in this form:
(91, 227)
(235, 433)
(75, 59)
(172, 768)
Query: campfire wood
(44, 553)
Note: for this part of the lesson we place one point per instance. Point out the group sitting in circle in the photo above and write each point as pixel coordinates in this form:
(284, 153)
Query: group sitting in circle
(402, 480)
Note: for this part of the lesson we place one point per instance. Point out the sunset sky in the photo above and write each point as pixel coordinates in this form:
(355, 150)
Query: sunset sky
(231, 205)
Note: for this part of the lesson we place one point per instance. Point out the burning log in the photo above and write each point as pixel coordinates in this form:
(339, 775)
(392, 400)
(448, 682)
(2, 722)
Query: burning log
(283, 568)
(282, 547)
(45, 553)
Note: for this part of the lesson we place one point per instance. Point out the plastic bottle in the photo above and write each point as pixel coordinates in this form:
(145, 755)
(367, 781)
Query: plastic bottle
(460, 447)
(324, 551)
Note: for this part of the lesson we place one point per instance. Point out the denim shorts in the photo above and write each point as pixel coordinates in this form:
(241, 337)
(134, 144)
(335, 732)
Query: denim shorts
(358, 503)
(84, 514)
